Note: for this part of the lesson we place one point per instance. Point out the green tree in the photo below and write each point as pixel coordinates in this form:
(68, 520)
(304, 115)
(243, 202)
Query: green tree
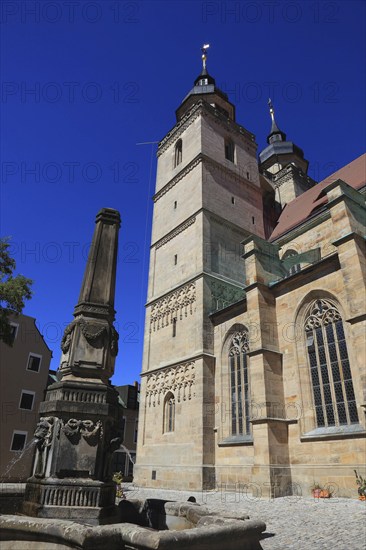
(13, 291)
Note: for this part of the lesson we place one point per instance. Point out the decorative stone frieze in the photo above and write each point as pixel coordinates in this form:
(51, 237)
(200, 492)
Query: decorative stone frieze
(67, 495)
(86, 428)
(195, 162)
(180, 127)
(177, 303)
(76, 395)
(92, 332)
(179, 379)
(203, 108)
(228, 173)
(175, 232)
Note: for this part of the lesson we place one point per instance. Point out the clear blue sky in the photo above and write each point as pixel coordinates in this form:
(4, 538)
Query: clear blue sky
(107, 75)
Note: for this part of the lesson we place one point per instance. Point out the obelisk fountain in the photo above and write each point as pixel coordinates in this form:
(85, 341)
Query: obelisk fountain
(80, 419)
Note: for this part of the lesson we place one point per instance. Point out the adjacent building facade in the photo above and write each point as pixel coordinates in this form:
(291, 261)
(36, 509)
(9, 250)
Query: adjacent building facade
(24, 378)
(125, 457)
(253, 373)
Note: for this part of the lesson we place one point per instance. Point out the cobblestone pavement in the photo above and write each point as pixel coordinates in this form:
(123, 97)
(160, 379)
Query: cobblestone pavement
(299, 523)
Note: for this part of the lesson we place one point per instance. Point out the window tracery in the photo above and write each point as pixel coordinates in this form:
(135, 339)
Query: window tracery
(331, 378)
(239, 383)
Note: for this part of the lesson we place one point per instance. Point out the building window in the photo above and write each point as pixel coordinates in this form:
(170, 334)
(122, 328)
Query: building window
(9, 333)
(18, 441)
(229, 150)
(135, 432)
(169, 413)
(175, 259)
(239, 383)
(175, 205)
(13, 332)
(178, 153)
(295, 267)
(330, 372)
(34, 362)
(232, 200)
(26, 400)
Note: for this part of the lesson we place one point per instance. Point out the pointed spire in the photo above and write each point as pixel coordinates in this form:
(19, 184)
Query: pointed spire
(275, 134)
(274, 127)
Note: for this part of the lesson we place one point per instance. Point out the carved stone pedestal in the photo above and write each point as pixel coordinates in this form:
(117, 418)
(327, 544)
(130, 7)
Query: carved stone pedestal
(85, 501)
(76, 438)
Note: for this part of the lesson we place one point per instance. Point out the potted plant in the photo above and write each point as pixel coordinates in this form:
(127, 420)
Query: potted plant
(118, 478)
(319, 492)
(316, 490)
(361, 482)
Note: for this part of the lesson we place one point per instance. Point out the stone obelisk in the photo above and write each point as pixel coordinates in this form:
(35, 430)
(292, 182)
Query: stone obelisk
(80, 419)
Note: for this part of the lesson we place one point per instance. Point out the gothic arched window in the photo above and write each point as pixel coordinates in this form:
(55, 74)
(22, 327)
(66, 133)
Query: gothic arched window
(331, 378)
(239, 383)
(178, 152)
(295, 268)
(169, 413)
(229, 149)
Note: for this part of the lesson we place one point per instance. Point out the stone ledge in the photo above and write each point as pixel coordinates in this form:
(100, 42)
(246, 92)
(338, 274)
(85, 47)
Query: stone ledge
(265, 419)
(234, 441)
(334, 432)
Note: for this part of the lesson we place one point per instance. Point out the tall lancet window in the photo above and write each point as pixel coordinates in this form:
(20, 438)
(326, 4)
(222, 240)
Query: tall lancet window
(331, 378)
(239, 383)
(169, 413)
(229, 149)
(178, 153)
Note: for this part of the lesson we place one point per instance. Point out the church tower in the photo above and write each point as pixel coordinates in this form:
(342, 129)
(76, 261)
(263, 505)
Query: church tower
(207, 200)
(284, 165)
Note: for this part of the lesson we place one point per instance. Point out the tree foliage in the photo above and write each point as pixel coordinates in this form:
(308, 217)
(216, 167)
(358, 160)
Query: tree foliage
(13, 291)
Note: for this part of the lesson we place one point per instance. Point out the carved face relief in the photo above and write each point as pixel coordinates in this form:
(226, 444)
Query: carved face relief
(44, 430)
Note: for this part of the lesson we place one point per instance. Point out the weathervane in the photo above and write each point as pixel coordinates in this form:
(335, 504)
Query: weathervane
(204, 56)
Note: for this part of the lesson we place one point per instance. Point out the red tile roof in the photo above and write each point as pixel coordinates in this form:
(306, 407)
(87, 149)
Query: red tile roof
(301, 208)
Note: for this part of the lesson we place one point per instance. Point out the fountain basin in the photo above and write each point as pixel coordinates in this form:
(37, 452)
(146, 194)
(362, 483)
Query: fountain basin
(151, 524)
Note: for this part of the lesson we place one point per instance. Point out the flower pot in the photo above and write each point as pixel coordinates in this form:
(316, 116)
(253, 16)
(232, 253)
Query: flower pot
(321, 493)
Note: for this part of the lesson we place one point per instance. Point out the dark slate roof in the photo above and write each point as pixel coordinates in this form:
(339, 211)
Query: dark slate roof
(280, 148)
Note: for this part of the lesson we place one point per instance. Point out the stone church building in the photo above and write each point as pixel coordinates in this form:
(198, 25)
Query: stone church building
(254, 354)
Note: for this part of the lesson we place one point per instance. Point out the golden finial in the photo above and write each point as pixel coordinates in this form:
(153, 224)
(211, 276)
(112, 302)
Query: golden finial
(271, 109)
(204, 56)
